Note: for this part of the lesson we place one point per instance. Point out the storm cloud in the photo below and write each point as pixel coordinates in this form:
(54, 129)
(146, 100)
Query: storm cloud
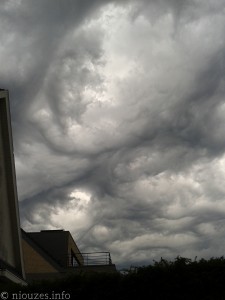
(118, 118)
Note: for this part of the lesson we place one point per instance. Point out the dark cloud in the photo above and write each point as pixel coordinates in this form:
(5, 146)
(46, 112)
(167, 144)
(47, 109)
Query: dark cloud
(118, 122)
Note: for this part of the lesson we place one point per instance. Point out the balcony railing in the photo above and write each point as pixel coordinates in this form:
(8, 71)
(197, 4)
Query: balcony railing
(90, 259)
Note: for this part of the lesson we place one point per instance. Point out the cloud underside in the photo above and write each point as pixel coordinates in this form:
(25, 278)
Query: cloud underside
(118, 123)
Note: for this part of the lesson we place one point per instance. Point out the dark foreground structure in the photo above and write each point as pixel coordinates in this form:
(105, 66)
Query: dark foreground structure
(51, 254)
(182, 279)
(11, 258)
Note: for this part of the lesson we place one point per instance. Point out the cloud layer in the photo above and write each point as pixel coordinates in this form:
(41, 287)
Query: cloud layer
(118, 122)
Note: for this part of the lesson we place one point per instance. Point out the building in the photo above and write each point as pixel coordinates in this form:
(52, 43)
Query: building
(51, 254)
(60, 245)
(11, 258)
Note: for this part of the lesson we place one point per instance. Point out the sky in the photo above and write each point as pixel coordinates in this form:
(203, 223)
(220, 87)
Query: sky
(118, 116)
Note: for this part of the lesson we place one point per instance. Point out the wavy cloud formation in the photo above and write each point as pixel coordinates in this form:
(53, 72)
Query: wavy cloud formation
(118, 122)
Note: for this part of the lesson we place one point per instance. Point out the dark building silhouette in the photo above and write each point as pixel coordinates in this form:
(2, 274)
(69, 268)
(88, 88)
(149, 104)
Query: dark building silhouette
(11, 259)
(52, 254)
(60, 245)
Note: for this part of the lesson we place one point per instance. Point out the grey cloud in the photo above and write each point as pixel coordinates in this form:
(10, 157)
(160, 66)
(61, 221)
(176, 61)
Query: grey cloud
(131, 116)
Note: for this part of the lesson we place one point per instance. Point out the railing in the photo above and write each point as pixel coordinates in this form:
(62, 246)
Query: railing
(91, 259)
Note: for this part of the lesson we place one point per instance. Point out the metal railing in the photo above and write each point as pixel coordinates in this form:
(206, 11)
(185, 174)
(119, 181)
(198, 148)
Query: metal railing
(91, 259)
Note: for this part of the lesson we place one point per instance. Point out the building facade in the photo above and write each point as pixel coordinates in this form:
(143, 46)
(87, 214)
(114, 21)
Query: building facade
(51, 254)
(11, 258)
